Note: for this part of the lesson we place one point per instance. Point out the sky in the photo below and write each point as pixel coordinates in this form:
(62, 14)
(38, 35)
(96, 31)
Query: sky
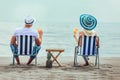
(59, 10)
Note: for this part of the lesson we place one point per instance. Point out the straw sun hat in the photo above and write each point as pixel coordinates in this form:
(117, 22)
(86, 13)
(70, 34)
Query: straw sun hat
(88, 22)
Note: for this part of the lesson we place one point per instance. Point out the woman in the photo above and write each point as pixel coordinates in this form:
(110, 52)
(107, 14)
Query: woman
(88, 22)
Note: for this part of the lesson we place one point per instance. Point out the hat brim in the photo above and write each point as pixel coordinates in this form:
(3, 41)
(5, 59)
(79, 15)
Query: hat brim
(29, 23)
(88, 22)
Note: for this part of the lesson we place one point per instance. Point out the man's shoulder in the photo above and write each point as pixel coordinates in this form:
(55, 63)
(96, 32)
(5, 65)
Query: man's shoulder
(18, 29)
(33, 31)
(25, 31)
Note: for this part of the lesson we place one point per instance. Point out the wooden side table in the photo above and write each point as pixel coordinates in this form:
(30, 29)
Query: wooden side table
(50, 53)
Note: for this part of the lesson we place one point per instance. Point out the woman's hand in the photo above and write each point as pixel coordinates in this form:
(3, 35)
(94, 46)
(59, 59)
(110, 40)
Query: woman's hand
(74, 34)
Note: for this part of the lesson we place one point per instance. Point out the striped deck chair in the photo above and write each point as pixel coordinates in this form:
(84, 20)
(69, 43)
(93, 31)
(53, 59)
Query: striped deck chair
(25, 46)
(88, 48)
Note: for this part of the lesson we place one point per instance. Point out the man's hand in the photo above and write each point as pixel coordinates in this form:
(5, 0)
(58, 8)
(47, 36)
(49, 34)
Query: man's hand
(40, 32)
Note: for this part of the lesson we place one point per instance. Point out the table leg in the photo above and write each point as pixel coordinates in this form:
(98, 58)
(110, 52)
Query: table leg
(55, 58)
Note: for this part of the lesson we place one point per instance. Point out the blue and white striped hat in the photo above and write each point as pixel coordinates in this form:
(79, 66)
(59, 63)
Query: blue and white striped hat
(88, 22)
(29, 20)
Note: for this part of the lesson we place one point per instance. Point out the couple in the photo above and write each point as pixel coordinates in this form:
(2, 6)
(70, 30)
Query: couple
(88, 22)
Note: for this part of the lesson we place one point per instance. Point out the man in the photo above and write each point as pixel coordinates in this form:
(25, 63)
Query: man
(26, 30)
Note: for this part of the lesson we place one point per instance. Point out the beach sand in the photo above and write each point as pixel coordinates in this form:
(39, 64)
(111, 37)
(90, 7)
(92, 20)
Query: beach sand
(109, 69)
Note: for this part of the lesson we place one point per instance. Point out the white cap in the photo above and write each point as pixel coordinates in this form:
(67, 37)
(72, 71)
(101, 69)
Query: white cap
(29, 20)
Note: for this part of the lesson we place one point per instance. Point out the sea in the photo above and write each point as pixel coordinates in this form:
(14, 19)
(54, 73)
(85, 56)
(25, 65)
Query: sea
(60, 36)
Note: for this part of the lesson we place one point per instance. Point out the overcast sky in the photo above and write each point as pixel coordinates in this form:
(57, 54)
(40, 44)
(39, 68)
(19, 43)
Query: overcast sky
(59, 10)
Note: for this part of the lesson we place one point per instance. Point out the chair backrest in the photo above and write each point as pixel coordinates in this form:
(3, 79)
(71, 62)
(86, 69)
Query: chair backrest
(25, 44)
(88, 45)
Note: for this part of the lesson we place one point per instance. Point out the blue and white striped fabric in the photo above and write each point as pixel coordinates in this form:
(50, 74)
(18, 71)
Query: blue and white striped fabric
(25, 44)
(88, 45)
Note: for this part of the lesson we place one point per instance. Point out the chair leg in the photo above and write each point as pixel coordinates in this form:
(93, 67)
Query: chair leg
(75, 57)
(75, 60)
(13, 60)
(98, 62)
(36, 60)
(97, 59)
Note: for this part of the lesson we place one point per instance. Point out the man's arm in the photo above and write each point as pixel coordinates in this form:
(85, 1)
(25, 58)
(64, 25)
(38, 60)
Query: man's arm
(12, 40)
(38, 41)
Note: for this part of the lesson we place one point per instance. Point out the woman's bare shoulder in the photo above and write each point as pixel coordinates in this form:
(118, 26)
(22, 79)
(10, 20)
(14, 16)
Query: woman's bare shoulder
(81, 33)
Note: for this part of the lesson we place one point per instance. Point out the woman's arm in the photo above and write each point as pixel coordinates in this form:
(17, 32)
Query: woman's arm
(97, 42)
(75, 38)
(79, 39)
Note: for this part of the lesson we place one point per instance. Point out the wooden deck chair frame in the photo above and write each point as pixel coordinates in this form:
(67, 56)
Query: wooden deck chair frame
(78, 53)
(25, 45)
